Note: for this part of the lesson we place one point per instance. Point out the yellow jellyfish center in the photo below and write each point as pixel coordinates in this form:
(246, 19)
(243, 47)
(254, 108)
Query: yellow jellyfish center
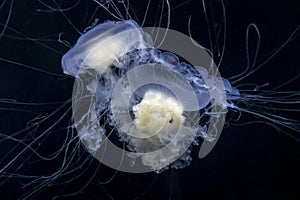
(158, 113)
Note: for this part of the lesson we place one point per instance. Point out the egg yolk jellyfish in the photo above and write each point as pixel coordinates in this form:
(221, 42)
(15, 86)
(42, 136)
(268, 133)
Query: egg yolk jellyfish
(135, 93)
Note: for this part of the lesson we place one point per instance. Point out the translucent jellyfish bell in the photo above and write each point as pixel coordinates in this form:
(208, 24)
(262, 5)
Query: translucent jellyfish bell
(162, 129)
(102, 45)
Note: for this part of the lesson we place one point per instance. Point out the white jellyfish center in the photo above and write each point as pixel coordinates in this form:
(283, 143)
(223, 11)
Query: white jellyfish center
(158, 113)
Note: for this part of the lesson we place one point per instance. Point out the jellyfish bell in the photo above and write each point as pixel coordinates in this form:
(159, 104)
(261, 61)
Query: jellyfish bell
(102, 45)
(161, 129)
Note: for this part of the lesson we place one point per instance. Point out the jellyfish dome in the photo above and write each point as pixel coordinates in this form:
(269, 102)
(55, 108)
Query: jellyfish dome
(101, 46)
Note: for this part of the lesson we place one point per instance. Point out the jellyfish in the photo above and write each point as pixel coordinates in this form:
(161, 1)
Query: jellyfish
(126, 99)
(149, 97)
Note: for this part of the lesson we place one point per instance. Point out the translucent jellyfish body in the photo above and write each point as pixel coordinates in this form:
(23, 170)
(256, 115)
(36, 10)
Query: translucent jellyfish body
(158, 106)
(150, 98)
(103, 45)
